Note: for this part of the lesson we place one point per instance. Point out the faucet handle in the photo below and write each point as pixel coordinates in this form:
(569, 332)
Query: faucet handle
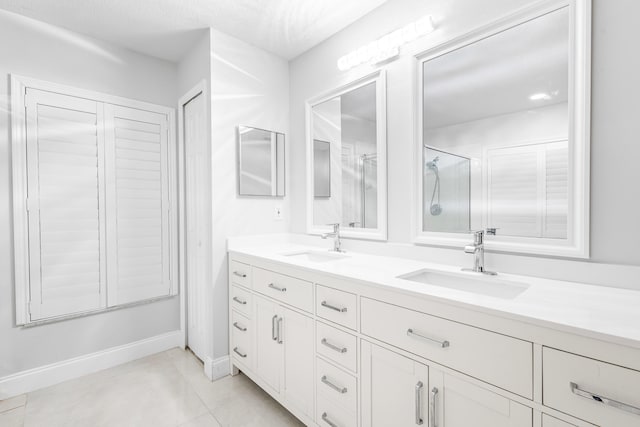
(491, 231)
(336, 226)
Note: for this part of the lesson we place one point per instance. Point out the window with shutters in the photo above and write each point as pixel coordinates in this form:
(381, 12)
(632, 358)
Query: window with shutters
(94, 225)
(528, 190)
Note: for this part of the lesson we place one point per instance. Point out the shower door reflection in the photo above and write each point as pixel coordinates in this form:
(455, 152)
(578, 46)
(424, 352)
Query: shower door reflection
(447, 196)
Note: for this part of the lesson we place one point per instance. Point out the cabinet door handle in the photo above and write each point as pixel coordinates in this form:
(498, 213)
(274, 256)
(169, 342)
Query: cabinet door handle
(239, 301)
(273, 327)
(333, 307)
(240, 328)
(239, 353)
(280, 330)
(333, 347)
(418, 403)
(239, 274)
(325, 418)
(341, 390)
(432, 407)
(442, 344)
(575, 389)
(272, 286)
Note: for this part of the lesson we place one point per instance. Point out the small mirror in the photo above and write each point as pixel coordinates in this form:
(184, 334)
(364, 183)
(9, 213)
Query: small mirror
(321, 168)
(502, 141)
(347, 170)
(261, 158)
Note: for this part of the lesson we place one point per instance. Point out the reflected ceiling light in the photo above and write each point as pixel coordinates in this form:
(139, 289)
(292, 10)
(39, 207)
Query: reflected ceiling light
(387, 46)
(543, 96)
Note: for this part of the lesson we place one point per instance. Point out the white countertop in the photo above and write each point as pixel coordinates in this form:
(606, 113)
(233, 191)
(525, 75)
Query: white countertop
(605, 313)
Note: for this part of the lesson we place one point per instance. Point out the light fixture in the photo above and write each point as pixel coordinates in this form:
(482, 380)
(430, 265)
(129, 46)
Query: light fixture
(542, 96)
(387, 46)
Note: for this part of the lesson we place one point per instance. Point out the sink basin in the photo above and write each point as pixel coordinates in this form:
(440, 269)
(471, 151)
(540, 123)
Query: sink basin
(469, 282)
(317, 256)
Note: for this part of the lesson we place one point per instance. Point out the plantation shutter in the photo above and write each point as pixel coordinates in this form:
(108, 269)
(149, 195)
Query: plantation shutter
(64, 203)
(137, 192)
(527, 193)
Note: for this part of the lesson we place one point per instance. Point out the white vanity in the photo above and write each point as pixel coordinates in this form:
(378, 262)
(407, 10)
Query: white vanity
(339, 340)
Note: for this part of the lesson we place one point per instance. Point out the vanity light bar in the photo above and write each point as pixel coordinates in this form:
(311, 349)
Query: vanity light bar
(387, 46)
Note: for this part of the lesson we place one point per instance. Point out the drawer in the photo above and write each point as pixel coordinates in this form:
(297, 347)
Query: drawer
(240, 273)
(242, 338)
(589, 389)
(289, 290)
(548, 421)
(241, 300)
(328, 414)
(500, 360)
(337, 385)
(337, 346)
(337, 306)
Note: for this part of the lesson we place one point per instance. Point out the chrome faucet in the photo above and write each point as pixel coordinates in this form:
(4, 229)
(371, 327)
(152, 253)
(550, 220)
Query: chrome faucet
(337, 245)
(477, 249)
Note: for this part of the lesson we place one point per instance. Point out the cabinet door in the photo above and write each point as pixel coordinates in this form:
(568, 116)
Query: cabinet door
(394, 389)
(297, 340)
(269, 353)
(458, 403)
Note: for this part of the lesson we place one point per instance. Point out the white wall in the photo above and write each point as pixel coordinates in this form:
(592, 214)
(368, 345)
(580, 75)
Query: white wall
(616, 100)
(38, 50)
(249, 86)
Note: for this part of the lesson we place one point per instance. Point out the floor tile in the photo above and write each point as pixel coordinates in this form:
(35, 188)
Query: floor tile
(14, 402)
(206, 420)
(13, 417)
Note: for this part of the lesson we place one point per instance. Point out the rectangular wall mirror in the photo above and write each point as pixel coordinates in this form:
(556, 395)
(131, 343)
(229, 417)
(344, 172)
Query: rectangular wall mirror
(261, 162)
(346, 145)
(504, 134)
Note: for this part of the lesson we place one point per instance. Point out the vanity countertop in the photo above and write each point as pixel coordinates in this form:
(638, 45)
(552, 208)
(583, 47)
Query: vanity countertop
(599, 312)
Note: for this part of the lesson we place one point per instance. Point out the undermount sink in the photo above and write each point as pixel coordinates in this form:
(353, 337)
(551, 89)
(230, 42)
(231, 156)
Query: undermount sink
(317, 256)
(469, 282)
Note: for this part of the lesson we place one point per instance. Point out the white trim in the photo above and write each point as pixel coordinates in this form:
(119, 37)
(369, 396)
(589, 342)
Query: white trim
(379, 233)
(48, 375)
(218, 368)
(577, 244)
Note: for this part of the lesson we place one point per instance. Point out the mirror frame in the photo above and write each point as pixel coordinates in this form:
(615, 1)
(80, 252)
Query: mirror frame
(379, 233)
(577, 243)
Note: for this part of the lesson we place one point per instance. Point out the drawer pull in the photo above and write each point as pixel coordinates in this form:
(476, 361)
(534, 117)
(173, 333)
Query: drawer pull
(333, 307)
(575, 389)
(238, 327)
(333, 347)
(237, 273)
(273, 327)
(443, 344)
(239, 301)
(272, 286)
(239, 353)
(325, 418)
(432, 409)
(418, 393)
(341, 390)
(280, 330)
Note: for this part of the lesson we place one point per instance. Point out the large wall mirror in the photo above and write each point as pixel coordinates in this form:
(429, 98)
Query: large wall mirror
(346, 146)
(261, 162)
(504, 125)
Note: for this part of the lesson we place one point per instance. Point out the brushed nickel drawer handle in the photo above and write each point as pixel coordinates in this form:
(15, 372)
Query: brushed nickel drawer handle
(239, 353)
(272, 286)
(280, 341)
(442, 344)
(418, 403)
(239, 301)
(325, 418)
(242, 275)
(432, 404)
(341, 390)
(575, 389)
(333, 347)
(333, 307)
(273, 327)
(241, 328)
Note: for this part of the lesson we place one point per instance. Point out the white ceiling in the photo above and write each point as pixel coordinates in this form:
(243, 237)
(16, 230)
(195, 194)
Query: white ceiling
(167, 28)
(497, 75)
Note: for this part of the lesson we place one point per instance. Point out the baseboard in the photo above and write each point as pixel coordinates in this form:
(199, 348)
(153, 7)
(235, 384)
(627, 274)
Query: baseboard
(215, 369)
(48, 375)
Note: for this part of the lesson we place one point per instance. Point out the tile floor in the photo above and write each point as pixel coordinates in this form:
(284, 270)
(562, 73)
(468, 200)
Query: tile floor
(166, 389)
